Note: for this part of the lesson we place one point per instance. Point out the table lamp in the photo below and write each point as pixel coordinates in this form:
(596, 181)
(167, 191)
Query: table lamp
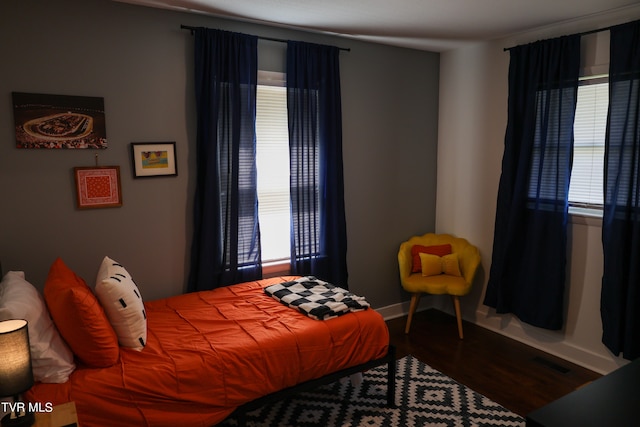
(16, 375)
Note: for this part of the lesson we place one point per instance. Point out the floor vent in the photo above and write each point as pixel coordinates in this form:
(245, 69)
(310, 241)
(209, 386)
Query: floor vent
(548, 363)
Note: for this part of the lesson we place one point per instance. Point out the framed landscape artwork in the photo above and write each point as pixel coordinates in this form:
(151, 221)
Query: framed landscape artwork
(59, 121)
(152, 159)
(98, 187)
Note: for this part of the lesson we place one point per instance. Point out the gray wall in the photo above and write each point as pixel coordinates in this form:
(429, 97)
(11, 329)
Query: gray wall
(139, 60)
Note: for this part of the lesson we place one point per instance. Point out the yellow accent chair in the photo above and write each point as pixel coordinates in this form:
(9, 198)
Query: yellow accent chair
(439, 281)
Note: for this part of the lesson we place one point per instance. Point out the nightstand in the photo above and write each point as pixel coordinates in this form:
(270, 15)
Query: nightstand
(63, 415)
(611, 400)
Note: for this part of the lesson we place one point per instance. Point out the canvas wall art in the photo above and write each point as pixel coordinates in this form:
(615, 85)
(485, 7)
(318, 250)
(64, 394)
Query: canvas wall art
(59, 121)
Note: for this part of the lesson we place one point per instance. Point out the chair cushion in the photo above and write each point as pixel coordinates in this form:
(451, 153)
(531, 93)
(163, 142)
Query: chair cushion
(433, 265)
(416, 250)
(436, 285)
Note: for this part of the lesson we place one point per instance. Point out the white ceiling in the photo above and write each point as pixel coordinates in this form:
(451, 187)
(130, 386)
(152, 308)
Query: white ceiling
(434, 25)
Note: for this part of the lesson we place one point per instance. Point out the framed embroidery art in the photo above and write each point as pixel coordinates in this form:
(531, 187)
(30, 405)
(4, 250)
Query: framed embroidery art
(98, 187)
(154, 159)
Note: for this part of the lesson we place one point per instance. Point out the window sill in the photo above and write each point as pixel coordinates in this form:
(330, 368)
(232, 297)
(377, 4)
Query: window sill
(585, 216)
(274, 269)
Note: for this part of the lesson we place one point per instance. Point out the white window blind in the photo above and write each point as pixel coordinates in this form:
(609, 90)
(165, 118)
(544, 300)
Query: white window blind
(585, 189)
(272, 162)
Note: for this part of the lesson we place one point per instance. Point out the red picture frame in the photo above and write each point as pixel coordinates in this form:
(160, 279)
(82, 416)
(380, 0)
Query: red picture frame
(98, 187)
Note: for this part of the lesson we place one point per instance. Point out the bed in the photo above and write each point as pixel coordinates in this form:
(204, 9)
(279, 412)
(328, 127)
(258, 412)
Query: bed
(201, 356)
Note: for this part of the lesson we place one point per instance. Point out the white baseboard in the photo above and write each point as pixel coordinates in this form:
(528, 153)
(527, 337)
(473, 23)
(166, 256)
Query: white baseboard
(547, 341)
(401, 309)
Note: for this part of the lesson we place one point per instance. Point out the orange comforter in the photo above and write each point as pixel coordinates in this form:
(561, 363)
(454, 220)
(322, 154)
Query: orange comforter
(209, 352)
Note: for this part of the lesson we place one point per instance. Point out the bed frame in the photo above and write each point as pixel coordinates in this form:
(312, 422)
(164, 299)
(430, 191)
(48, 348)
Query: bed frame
(240, 414)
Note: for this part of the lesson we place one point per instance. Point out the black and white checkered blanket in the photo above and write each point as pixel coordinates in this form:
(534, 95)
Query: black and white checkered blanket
(316, 298)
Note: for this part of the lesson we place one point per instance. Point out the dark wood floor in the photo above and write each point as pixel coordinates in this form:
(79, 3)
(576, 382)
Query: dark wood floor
(517, 376)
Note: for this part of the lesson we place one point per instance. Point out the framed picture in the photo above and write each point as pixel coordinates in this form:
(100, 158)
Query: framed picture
(58, 121)
(154, 159)
(98, 187)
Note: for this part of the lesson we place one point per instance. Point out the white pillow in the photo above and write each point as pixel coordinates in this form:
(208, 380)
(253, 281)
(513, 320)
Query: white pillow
(51, 358)
(122, 302)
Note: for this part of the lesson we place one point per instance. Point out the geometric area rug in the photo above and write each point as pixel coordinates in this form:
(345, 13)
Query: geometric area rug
(424, 397)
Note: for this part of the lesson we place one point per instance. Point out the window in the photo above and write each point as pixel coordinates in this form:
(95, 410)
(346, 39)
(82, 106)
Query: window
(272, 161)
(585, 189)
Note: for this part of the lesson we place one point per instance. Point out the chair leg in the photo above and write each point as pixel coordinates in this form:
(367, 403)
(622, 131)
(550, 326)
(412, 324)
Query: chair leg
(456, 305)
(415, 299)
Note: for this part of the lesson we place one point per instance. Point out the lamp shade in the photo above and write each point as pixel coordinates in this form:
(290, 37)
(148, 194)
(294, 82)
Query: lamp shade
(16, 375)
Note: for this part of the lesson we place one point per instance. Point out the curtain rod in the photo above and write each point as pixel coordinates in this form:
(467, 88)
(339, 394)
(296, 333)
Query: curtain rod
(584, 33)
(192, 29)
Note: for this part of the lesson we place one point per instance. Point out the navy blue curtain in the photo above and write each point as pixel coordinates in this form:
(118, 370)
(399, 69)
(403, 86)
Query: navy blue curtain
(527, 273)
(226, 237)
(318, 230)
(620, 299)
